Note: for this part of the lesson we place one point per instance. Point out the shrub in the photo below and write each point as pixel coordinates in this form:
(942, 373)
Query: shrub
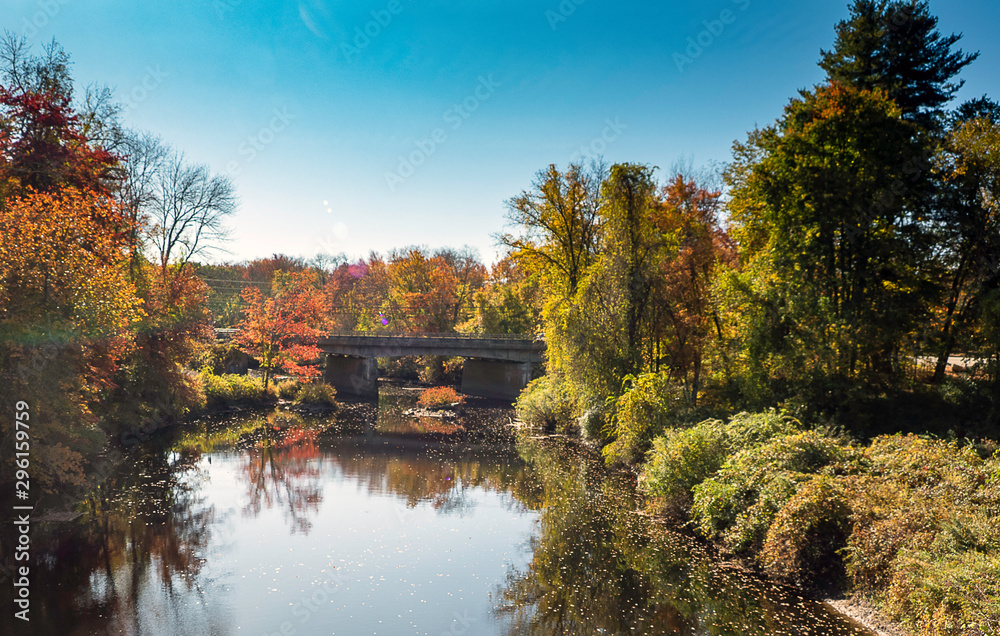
(593, 421)
(738, 504)
(218, 393)
(227, 390)
(316, 393)
(750, 430)
(545, 403)
(641, 413)
(802, 543)
(915, 494)
(438, 396)
(287, 389)
(681, 459)
(959, 594)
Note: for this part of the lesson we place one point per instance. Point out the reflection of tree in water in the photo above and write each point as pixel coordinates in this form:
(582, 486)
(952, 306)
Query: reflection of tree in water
(599, 567)
(435, 475)
(577, 582)
(281, 469)
(143, 545)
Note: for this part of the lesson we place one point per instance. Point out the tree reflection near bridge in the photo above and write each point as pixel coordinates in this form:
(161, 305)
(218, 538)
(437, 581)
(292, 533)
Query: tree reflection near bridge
(281, 469)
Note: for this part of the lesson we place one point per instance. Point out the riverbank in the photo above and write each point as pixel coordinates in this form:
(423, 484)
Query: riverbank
(866, 614)
(905, 520)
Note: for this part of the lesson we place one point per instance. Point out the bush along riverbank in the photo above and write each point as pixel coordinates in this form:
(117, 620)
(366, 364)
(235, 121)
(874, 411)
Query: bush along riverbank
(906, 521)
(230, 392)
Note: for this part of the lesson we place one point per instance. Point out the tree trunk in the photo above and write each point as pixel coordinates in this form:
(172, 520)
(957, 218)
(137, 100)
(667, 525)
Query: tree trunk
(947, 330)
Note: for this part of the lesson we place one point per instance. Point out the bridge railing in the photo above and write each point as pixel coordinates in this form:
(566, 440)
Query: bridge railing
(445, 334)
(229, 333)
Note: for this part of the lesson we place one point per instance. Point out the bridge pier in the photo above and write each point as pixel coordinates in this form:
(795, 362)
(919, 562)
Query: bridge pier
(495, 378)
(352, 376)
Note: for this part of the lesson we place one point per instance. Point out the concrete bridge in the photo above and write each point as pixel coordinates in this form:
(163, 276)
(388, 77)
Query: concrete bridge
(496, 366)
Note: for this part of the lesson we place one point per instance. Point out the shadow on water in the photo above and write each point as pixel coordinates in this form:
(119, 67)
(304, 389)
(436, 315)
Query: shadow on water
(172, 542)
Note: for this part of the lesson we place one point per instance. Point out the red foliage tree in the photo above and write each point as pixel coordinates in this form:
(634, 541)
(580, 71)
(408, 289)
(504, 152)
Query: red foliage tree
(691, 214)
(280, 331)
(44, 148)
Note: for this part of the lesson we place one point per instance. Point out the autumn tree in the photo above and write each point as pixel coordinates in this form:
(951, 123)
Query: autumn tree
(825, 208)
(508, 303)
(281, 330)
(968, 212)
(470, 275)
(44, 144)
(686, 316)
(67, 311)
(557, 224)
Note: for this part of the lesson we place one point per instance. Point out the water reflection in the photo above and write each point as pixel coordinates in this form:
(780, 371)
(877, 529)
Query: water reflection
(280, 469)
(138, 549)
(600, 567)
(231, 524)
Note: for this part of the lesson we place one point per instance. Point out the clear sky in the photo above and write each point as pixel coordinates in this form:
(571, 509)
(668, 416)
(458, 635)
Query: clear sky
(359, 125)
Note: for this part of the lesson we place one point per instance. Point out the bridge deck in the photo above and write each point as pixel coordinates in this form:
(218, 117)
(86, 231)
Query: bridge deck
(487, 347)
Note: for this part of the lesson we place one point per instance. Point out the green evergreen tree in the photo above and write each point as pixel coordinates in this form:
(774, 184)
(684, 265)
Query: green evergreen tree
(894, 45)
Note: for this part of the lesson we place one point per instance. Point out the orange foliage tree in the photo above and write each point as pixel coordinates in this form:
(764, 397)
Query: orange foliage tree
(689, 214)
(280, 331)
(67, 309)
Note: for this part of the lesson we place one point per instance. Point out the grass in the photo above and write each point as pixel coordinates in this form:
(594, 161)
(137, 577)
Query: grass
(316, 394)
(222, 391)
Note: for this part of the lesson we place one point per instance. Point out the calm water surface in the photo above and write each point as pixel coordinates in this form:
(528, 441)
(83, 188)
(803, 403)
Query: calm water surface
(372, 521)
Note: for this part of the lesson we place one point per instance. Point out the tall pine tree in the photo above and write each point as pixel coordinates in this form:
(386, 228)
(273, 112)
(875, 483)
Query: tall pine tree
(894, 45)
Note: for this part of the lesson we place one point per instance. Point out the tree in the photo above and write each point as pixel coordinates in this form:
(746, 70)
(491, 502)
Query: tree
(469, 274)
(558, 223)
(983, 107)
(423, 293)
(598, 336)
(67, 311)
(144, 157)
(280, 331)
(188, 210)
(968, 169)
(689, 217)
(893, 45)
(44, 144)
(825, 208)
(509, 302)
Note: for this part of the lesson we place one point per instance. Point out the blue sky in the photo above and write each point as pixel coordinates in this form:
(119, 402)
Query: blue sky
(359, 125)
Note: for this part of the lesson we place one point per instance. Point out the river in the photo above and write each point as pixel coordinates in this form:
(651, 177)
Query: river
(375, 521)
